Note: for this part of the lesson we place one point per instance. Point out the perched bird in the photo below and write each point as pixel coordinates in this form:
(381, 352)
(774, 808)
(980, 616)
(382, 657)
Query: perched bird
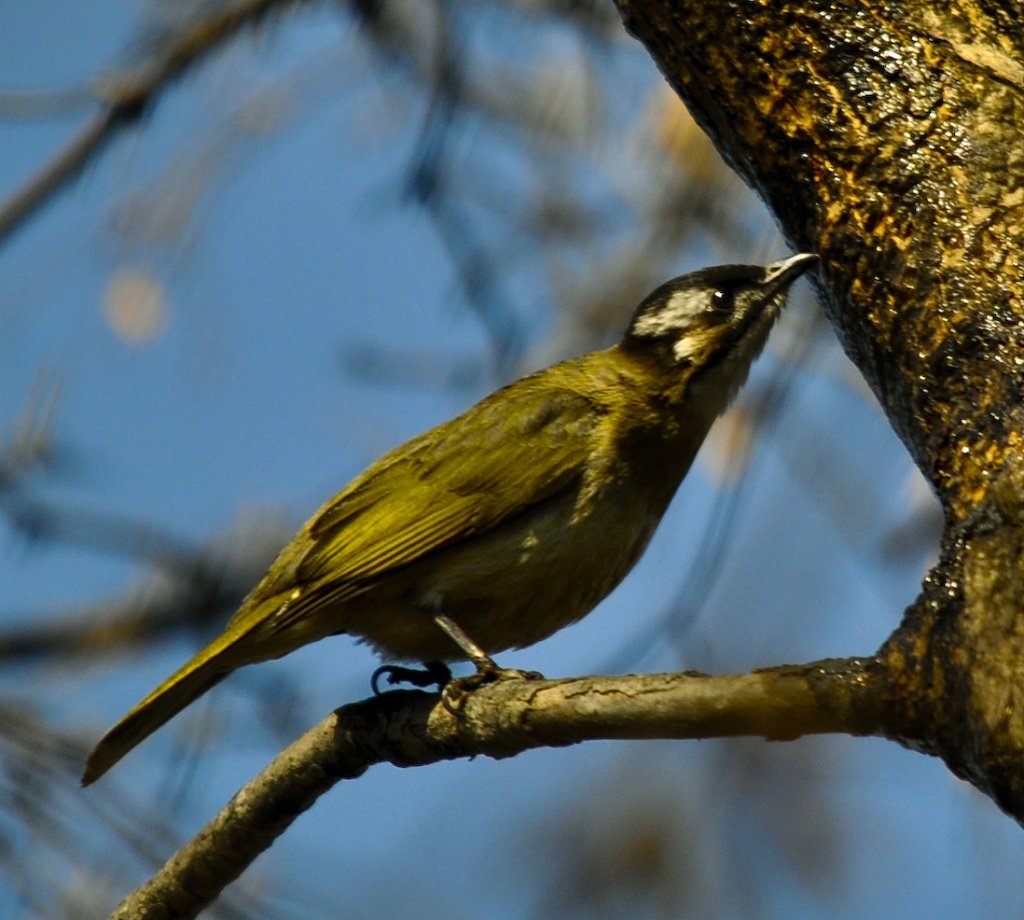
(511, 521)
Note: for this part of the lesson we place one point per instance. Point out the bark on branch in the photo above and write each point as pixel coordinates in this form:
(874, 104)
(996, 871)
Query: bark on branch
(412, 728)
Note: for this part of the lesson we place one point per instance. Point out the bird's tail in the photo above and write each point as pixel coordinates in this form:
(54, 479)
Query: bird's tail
(188, 683)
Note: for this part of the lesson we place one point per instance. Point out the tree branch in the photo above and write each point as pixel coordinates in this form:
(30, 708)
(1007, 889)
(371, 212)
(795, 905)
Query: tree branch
(126, 95)
(412, 728)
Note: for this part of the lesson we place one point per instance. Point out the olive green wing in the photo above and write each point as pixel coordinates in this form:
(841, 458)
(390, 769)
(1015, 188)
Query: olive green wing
(513, 450)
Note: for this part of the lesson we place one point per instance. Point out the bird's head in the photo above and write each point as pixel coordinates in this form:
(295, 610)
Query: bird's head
(715, 314)
(702, 331)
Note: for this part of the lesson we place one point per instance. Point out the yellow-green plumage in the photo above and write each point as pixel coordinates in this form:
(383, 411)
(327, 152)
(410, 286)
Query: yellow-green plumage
(513, 519)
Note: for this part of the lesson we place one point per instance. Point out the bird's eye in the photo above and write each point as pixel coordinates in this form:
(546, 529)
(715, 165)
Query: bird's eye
(722, 303)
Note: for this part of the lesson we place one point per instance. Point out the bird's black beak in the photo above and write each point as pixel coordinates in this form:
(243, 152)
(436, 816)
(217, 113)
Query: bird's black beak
(785, 272)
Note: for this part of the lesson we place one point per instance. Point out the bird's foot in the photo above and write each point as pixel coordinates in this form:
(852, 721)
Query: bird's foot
(454, 693)
(432, 674)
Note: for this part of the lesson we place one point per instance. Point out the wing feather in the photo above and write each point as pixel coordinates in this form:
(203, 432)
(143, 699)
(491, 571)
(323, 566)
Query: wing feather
(509, 452)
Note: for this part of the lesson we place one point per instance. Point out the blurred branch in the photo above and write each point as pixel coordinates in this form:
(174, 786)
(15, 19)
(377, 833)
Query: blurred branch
(192, 588)
(126, 95)
(412, 728)
(426, 185)
(31, 445)
(516, 207)
(192, 584)
(102, 532)
(45, 811)
(155, 609)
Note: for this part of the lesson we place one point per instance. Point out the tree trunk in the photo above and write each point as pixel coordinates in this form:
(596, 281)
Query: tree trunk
(890, 139)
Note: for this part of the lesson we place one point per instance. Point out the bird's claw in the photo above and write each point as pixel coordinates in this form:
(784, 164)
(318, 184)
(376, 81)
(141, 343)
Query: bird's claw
(454, 693)
(432, 674)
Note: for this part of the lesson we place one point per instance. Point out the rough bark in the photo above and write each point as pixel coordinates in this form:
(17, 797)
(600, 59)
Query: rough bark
(889, 137)
(411, 728)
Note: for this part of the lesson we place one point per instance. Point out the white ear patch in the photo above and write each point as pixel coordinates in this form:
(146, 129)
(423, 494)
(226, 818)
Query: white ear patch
(678, 313)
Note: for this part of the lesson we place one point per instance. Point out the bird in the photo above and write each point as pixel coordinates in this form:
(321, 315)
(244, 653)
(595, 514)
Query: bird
(514, 519)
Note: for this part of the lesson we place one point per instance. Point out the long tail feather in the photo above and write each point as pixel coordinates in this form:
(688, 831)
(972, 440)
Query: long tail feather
(187, 684)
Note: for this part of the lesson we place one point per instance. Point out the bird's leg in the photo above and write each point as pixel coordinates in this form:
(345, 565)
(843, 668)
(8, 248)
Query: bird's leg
(484, 662)
(487, 671)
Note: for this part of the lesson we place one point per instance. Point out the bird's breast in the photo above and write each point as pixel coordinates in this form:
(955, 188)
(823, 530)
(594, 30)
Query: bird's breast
(541, 569)
(518, 583)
